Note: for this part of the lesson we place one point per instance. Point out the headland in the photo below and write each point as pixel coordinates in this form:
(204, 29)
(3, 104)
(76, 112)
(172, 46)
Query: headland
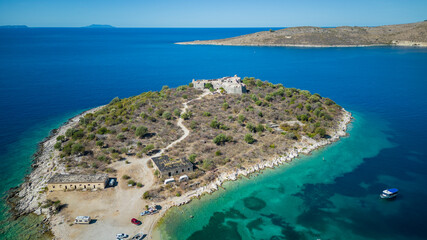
(219, 129)
(412, 34)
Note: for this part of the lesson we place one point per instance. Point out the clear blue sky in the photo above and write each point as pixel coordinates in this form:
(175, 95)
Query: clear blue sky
(213, 13)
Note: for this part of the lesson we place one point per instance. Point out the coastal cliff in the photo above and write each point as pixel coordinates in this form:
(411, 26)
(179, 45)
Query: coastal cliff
(412, 34)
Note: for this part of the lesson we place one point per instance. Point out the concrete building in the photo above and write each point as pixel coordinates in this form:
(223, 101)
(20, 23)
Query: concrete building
(61, 182)
(170, 167)
(233, 85)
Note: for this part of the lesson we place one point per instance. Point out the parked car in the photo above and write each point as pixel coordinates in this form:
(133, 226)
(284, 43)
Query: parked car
(112, 182)
(121, 235)
(136, 221)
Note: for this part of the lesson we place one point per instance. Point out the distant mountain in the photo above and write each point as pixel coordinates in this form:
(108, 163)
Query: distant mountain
(14, 26)
(99, 26)
(412, 34)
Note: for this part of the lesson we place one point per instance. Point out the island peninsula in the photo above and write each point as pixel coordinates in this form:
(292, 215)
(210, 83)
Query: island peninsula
(412, 34)
(164, 148)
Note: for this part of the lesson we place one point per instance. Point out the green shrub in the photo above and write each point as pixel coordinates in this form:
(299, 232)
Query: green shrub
(218, 153)
(206, 114)
(141, 131)
(131, 182)
(192, 158)
(57, 145)
(125, 177)
(221, 139)
(99, 143)
(102, 131)
(167, 115)
(121, 137)
(249, 138)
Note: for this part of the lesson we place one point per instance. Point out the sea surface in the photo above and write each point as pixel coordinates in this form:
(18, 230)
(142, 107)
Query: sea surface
(48, 75)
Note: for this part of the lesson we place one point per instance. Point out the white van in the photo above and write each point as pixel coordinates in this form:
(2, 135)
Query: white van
(169, 180)
(82, 220)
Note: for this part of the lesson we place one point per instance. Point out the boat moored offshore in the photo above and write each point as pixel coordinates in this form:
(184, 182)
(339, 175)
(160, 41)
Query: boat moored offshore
(389, 193)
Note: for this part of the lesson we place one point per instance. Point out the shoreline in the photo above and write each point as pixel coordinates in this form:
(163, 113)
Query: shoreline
(398, 44)
(22, 199)
(25, 198)
(299, 148)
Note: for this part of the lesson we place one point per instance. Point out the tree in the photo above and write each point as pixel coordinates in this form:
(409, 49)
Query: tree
(191, 85)
(259, 83)
(249, 138)
(58, 145)
(221, 139)
(320, 131)
(60, 138)
(78, 134)
(141, 131)
(165, 87)
(215, 124)
(77, 148)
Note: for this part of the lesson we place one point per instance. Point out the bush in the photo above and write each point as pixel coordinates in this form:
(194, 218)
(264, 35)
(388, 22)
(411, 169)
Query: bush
(77, 148)
(176, 112)
(115, 100)
(102, 131)
(320, 131)
(165, 87)
(148, 148)
(121, 137)
(146, 195)
(192, 158)
(225, 106)
(260, 128)
(218, 153)
(141, 131)
(191, 85)
(60, 138)
(167, 115)
(99, 143)
(139, 185)
(241, 119)
(131, 182)
(249, 138)
(125, 177)
(186, 115)
(206, 114)
(209, 86)
(251, 127)
(58, 145)
(221, 139)
(78, 134)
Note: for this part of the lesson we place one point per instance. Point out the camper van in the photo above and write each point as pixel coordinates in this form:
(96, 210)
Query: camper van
(82, 220)
(169, 180)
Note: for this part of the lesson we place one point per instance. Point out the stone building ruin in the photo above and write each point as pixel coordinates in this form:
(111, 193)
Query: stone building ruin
(233, 85)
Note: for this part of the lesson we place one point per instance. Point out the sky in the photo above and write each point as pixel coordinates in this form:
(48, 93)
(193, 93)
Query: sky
(213, 13)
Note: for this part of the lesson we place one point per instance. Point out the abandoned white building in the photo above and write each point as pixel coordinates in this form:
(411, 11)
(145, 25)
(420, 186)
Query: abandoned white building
(170, 167)
(232, 85)
(77, 181)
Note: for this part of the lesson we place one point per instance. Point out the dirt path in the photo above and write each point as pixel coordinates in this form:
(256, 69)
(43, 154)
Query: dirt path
(113, 208)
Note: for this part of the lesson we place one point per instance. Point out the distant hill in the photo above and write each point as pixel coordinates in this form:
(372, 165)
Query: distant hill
(99, 26)
(412, 34)
(14, 26)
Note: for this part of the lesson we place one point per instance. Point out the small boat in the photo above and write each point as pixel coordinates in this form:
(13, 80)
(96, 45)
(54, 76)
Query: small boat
(389, 193)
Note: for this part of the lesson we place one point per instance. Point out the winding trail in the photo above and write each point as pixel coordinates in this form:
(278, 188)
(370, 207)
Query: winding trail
(114, 207)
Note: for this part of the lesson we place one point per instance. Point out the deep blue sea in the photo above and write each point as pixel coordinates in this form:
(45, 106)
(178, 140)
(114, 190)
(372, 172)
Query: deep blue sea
(47, 75)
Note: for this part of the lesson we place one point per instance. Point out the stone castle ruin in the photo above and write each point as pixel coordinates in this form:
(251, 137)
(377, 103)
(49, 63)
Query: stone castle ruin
(232, 85)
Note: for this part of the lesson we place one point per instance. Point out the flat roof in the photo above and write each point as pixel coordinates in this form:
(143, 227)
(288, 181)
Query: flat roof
(164, 163)
(78, 178)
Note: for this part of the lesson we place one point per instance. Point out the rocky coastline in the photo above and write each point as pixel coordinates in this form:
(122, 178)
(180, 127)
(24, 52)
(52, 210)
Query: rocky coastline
(306, 146)
(27, 198)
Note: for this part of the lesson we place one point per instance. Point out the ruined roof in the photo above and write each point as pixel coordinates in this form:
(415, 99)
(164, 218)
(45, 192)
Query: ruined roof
(78, 178)
(164, 163)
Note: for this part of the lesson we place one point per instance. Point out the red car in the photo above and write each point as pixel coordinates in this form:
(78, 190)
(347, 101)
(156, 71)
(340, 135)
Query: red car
(136, 221)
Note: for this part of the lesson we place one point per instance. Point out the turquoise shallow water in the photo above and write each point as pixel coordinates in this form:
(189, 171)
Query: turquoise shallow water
(286, 202)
